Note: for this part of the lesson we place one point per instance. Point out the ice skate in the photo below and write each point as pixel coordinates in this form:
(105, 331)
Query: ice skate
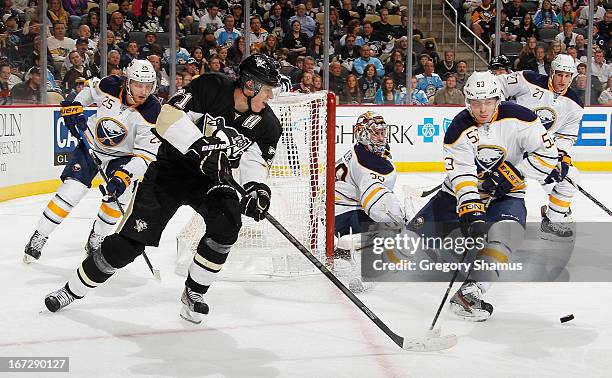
(348, 272)
(556, 231)
(193, 306)
(467, 303)
(34, 247)
(59, 299)
(94, 242)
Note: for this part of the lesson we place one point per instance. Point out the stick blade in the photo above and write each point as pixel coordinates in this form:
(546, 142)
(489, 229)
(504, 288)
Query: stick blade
(157, 274)
(430, 344)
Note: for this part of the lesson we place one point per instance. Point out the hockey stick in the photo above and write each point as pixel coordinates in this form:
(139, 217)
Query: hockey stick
(431, 343)
(420, 193)
(98, 164)
(589, 196)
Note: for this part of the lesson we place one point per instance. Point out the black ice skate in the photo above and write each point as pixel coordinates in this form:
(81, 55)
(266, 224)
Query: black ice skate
(556, 231)
(59, 299)
(34, 247)
(94, 242)
(467, 303)
(193, 306)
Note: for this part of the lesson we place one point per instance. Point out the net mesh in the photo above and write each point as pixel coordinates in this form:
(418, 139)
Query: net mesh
(297, 180)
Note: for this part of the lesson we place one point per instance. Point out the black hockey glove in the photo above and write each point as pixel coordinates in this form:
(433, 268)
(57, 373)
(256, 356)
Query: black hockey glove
(257, 201)
(72, 112)
(472, 217)
(561, 170)
(502, 179)
(209, 153)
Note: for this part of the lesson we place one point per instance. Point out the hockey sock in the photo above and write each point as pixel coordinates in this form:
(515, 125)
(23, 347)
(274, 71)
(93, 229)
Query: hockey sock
(558, 206)
(108, 216)
(68, 195)
(207, 263)
(94, 270)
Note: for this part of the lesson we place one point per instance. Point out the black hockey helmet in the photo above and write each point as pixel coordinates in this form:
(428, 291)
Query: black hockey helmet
(261, 69)
(500, 62)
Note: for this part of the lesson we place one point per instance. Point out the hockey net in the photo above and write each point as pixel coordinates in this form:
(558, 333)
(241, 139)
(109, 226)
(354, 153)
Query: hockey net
(302, 182)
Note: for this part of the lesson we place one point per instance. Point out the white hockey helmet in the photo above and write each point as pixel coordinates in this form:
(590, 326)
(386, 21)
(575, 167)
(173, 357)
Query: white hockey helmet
(482, 86)
(565, 63)
(141, 71)
(372, 132)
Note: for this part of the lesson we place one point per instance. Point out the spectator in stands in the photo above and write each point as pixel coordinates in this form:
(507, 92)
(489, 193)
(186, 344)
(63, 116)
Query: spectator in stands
(516, 11)
(227, 34)
(187, 77)
(398, 75)
(545, 17)
(310, 9)
(93, 21)
(131, 53)
(114, 70)
(317, 83)
(129, 18)
(350, 51)
(567, 37)
(383, 26)
(315, 49)
(599, 40)
(347, 13)
(236, 53)
(527, 53)
(209, 46)
(483, 21)
(28, 92)
(257, 33)
(605, 98)
(461, 76)
(82, 49)
(506, 28)
(566, 14)
(387, 94)
(114, 58)
(5, 92)
(429, 82)
(420, 67)
(395, 56)
(238, 17)
(581, 48)
(85, 33)
(309, 66)
(527, 30)
(449, 95)
(336, 79)
(308, 25)
(448, 65)
(211, 20)
(56, 13)
(78, 87)
(555, 48)
(150, 42)
(542, 65)
(181, 54)
(418, 96)
(296, 41)
(431, 50)
(192, 68)
(369, 6)
(222, 55)
(369, 83)
(197, 56)
(605, 26)
(351, 93)
(77, 69)
(579, 86)
(121, 31)
(31, 55)
(59, 44)
(353, 28)
(76, 9)
(336, 26)
(111, 42)
(214, 65)
(270, 46)
(598, 15)
(600, 68)
(364, 59)
(276, 23)
(163, 79)
(149, 19)
(305, 84)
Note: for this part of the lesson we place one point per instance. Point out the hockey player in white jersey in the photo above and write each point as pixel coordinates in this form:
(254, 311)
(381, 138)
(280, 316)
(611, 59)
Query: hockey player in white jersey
(483, 193)
(560, 111)
(120, 136)
(365, 177)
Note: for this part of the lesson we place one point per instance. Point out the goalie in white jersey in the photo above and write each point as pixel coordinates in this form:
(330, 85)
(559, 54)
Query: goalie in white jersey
(488, 150)
(560, 111)
(120, 136)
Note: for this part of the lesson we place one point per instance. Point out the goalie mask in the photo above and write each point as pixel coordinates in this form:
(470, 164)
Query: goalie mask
(256, 71)
(372, 132)
(140, 71)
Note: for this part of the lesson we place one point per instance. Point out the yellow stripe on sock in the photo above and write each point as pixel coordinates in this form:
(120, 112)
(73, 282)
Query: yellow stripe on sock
(57, 210)
(497, 255)
(558, 202)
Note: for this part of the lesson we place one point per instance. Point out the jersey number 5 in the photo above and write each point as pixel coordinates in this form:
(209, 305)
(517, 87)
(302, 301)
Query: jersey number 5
(548, 143)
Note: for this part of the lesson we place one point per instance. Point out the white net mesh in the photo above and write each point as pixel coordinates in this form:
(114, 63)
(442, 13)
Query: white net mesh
(297, 180)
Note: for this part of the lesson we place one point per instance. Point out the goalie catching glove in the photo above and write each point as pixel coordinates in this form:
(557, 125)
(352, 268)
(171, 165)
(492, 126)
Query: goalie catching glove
(503, 179)
(561, 170)
(209, 153)
(257, 201)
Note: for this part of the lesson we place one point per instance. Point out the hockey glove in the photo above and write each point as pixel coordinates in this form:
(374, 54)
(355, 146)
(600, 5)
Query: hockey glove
(561, 170)
(472, 217)
(225, 198)
(118, 183)
(257, 201)
(209, 153)
(72, 112)
(503, 179)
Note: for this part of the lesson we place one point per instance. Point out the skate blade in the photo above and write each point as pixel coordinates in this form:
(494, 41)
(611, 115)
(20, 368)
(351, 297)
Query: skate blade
(27, 259)
(190, 316)
(555, 238)
(430, 344)
(476, 315)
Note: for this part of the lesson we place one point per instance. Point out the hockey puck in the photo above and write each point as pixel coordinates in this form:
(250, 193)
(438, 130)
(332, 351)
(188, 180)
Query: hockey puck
(567, 318)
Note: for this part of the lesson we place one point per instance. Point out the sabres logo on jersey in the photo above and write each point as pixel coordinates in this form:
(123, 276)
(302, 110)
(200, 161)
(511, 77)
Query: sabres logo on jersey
(110, 132)
(547, 116)
(488, 157)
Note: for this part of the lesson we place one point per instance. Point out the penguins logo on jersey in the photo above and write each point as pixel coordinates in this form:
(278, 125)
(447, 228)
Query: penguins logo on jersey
(211, 124)
(237, 143)
(488, 157)
(110, 132)
(547, 116)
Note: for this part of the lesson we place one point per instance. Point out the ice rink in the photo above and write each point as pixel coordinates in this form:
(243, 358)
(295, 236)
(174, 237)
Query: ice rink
(302, 327)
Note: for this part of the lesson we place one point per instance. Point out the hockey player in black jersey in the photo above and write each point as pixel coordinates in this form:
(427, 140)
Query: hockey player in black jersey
(206, 129)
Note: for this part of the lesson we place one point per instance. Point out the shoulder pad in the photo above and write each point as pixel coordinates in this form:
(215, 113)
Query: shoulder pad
(150, 109)
(512, 110)
(460, 123)
(572, 95)
(111, 85)
(536, 79)
(373, 162)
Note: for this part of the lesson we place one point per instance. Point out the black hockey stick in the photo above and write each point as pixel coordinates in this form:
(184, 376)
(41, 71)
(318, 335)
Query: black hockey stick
(98, 164)
(420, 193)
(589, 196)
(430, 343)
